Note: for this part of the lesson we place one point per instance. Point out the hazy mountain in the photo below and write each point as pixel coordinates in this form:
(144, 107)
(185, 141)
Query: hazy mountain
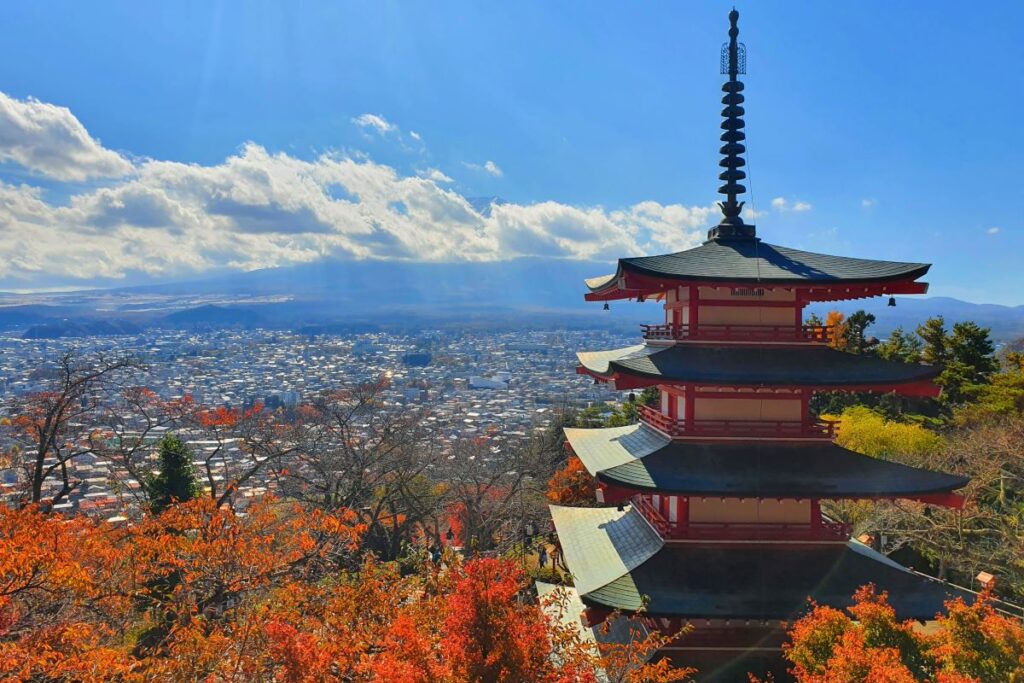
(1005, 322)
(213, 316)
(81, 328)
(364, 295)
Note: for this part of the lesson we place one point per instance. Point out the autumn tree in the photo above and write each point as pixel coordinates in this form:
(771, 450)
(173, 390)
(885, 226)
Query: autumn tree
(496, 493)
(985, 534)
(49, 431)
(276, 594)
(348, 451)
(867, 643)
(127, 423)
(76, 595)
(572, 485)
(866, 431)
(835, 322)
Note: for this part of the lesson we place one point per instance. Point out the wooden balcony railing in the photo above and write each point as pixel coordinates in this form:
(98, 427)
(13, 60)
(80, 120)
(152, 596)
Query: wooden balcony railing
(744, 333)
(824, 530)
(771, 429)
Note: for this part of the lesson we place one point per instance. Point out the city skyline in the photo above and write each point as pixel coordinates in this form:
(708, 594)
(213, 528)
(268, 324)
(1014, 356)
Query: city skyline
(210, 139)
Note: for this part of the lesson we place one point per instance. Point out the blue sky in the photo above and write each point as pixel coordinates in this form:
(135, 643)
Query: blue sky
(203, 136)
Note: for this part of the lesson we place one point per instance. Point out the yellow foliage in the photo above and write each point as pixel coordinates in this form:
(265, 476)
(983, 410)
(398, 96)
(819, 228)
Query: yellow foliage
(836, 324)
(867, 432)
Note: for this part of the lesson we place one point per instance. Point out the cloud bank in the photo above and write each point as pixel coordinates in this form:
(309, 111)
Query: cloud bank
(50, 141)
(156, 219)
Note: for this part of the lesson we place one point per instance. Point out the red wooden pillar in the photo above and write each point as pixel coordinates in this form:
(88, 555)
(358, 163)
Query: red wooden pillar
(688, 395)
(694, 304)
(815, 513)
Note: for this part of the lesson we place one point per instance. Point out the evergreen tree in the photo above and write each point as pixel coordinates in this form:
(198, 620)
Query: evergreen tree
(933, 333)
(176, 481)
(970, 345)
(901, 346)
(857, 325)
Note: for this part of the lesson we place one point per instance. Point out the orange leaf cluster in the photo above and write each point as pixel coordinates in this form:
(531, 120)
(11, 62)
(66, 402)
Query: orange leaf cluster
(572, 485)
(971, 644)
(278, 594)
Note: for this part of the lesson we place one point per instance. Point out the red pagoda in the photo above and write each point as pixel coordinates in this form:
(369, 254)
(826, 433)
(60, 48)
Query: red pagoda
(712, 502)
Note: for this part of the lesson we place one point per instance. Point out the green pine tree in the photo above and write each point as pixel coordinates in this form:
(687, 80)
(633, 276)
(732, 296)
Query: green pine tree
(176, 480)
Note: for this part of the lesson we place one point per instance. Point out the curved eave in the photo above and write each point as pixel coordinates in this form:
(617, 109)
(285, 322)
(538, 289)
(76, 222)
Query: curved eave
(638, 458)
(813, 367)
(618, 562)
(770, 583)
(899, 272)
(603, 544)
(819, 277)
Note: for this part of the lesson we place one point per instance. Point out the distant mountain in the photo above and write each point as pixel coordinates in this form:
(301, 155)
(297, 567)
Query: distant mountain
(20, 316)
(334, 296)
(213, 316)
(1005, 322)
(369, 285)
(83, 328)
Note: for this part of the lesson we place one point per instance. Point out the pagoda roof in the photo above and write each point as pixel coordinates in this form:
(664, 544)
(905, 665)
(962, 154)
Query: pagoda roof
(755, 262)
(617, 565)
(642, 458)
(811, 366)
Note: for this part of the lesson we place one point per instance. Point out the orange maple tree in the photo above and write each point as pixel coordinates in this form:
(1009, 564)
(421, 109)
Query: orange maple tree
(281, 593)
(572, 485)
(867, 644)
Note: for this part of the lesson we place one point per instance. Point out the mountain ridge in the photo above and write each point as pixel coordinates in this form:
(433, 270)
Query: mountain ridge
(337, 293)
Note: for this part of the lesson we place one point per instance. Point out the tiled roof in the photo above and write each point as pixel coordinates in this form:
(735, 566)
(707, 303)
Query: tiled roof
(756, 261)
(811, 365)
(642, 458)
(603, 544)
(730, 581)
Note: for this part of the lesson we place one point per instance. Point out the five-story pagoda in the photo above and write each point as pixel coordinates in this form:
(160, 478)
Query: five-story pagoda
(713, 500)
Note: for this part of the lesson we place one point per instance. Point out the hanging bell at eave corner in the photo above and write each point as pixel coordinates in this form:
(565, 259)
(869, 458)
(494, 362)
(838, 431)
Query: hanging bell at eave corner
(606, 306)
(892, 301)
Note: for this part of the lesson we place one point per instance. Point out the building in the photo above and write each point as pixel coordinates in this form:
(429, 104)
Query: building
(712, 502)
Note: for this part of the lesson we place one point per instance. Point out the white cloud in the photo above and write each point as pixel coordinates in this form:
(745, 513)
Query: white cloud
(868, 203)
(51, 141)
(782, 204)
(375, 122)
(257, 209)
(751, 214)
(435, 175)
(415, 136)
(493, 169)
(993, 231)
(486, 167)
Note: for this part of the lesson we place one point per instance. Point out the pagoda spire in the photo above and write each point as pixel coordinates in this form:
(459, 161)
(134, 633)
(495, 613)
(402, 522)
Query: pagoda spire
(733, 63)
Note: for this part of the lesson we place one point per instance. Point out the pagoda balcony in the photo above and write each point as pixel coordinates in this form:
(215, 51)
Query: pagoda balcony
(799, 334)
(824, 530)
(764, 429)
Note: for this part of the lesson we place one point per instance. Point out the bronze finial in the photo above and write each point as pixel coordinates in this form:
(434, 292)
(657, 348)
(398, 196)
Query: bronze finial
(733, 63)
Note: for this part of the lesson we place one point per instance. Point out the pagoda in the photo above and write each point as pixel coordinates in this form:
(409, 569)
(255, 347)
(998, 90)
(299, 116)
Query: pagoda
(711, 504)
